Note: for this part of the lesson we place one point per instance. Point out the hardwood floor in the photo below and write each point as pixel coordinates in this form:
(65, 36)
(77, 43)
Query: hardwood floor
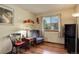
(46, 48)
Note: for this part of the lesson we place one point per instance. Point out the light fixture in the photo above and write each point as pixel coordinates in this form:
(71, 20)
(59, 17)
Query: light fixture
(75, 15)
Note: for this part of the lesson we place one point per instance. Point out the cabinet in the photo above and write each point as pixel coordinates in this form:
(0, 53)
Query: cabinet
(70, 36)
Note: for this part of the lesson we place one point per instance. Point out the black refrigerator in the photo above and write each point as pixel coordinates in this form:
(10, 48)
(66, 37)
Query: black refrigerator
(70, 36)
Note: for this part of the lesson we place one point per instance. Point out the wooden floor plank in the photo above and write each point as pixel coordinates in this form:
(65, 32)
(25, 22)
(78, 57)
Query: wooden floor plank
(46, 48)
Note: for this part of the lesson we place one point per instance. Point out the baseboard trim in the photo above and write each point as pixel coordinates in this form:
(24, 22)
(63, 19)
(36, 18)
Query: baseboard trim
(9, 52)
(53, 43)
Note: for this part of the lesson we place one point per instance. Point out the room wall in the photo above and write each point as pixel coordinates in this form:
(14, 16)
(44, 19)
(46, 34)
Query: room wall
(66, 18)
(5, 29)
(77, 11)
(19, 15)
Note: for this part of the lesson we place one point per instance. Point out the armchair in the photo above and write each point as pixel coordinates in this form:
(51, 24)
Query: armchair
(37, 36)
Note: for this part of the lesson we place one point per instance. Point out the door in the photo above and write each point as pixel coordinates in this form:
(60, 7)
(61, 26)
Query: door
(70, 31)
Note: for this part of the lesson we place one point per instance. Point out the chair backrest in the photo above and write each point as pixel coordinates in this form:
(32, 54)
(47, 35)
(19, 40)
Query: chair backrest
(35, 33)
(13, 39)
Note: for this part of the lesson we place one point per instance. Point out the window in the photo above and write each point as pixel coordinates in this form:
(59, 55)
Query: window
(51, 23)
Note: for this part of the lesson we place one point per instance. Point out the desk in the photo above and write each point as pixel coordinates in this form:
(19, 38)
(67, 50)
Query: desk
(31, 41)
(19, 43)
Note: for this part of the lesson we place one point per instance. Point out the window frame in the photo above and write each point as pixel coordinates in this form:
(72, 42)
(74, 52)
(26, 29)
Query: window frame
(59, 24)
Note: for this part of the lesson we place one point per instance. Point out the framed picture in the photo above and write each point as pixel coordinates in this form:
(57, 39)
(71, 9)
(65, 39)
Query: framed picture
(6, 14)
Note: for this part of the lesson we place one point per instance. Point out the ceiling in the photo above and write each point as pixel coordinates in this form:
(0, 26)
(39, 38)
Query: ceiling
(43, 8)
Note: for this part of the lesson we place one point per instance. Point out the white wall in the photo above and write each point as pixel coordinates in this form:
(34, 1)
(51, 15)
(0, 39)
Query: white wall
(19, 15)
(66, 18)
(5, 29)
(77, 10)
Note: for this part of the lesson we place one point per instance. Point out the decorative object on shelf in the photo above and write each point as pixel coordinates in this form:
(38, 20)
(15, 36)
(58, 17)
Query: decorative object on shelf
(28, 24)
(37, 20)
(28, 21)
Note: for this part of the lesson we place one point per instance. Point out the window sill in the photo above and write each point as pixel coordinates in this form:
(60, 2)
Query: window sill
(51, 31)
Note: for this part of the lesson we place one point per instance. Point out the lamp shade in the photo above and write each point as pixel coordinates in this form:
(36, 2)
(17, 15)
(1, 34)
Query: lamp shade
(75, 15)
